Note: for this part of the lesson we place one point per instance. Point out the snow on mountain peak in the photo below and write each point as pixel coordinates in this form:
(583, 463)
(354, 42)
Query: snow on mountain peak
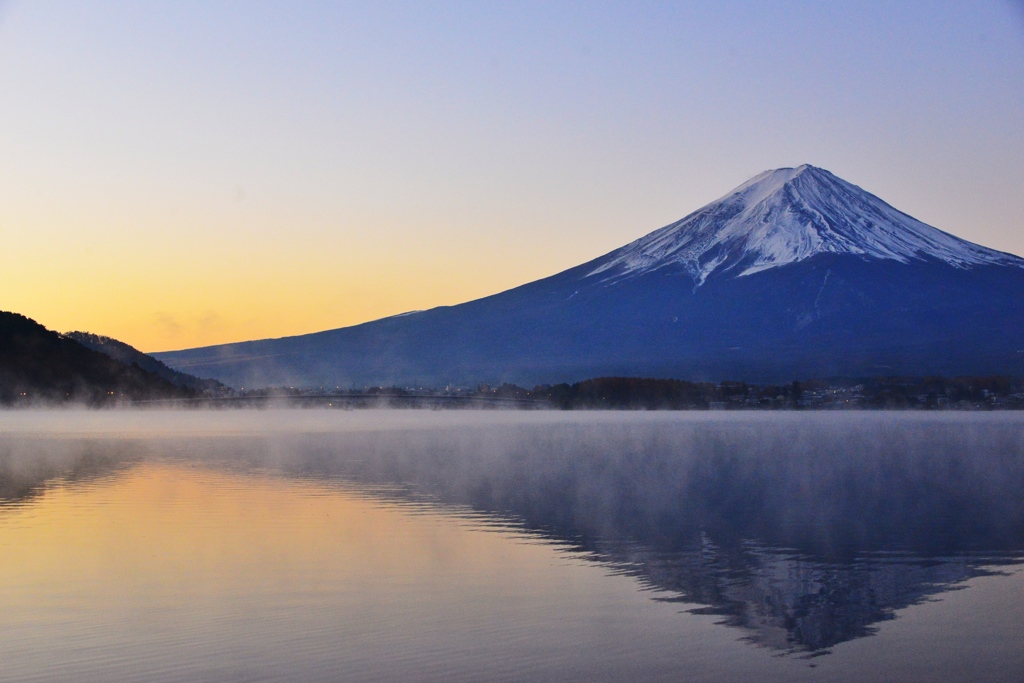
(788, 215)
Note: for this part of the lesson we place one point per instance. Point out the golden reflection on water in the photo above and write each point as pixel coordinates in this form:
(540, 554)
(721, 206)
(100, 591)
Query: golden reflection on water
(195, 532)
(175, 572)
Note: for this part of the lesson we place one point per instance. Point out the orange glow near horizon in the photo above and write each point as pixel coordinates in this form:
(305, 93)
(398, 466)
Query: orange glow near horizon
(185, 288)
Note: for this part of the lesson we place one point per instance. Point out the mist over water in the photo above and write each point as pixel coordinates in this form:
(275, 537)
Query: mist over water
(510, 545)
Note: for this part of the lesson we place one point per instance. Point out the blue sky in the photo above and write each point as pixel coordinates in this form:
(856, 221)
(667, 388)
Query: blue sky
(178, 173)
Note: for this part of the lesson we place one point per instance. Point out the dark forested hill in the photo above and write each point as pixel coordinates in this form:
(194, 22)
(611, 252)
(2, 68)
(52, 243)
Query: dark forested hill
(127, 354)
(40, 366)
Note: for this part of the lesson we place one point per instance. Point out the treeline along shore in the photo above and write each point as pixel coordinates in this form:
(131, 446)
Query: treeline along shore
(637, 393)
(39, 367)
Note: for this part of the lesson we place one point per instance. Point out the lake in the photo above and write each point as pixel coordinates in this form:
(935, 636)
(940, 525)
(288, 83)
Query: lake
(373, 545)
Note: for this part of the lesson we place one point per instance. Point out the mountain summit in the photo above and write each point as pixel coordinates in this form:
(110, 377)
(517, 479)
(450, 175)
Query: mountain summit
(789, 215)
(794, 274)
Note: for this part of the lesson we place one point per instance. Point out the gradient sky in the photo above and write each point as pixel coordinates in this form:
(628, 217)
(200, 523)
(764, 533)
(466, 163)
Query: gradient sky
(176, 174)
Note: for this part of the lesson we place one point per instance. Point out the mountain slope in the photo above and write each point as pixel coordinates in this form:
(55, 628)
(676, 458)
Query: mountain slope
(794, 274)
(40, 366)
(127, 354)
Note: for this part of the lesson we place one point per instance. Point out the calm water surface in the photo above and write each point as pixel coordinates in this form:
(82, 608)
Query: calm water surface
(311, 545)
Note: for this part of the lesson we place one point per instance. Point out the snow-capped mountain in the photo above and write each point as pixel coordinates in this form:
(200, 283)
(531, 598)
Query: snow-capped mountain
(789, 215)
(794, 274)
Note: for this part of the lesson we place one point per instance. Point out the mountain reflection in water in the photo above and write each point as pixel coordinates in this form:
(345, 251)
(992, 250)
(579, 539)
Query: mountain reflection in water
(794, 603)
(801, 531)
